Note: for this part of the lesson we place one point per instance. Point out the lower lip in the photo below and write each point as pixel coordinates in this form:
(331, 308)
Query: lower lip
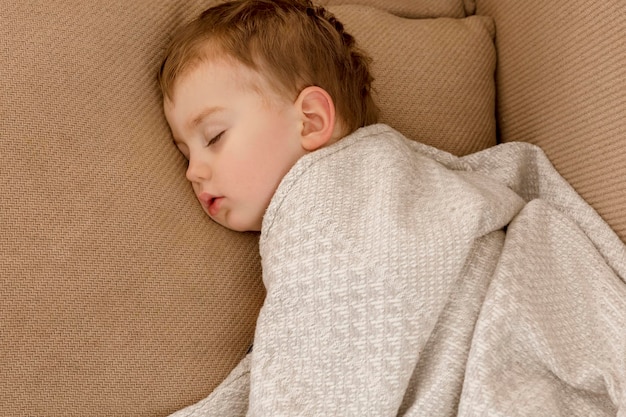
(214, 206)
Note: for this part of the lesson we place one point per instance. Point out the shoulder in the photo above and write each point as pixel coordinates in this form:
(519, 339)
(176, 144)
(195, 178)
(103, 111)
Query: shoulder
(337, 169)
(345, 180)
(364, 150)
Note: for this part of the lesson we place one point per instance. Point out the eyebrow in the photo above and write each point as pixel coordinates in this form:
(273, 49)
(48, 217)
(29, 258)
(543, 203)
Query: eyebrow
(203, 115)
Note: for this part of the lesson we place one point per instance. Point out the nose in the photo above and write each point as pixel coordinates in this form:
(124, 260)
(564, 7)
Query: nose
(198, 171)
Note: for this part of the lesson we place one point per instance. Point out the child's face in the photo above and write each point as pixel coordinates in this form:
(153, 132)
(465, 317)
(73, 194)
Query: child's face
(240, 141)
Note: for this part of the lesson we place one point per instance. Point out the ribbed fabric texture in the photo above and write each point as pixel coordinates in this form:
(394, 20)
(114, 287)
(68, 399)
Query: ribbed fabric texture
(119, 297)
(434, 76)
(414, 9)
(562, 85)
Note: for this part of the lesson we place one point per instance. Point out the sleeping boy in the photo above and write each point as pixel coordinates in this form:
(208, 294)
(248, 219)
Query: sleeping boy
(377, 251)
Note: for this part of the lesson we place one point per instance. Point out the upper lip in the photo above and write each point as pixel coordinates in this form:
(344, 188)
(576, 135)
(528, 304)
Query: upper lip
(206, 199)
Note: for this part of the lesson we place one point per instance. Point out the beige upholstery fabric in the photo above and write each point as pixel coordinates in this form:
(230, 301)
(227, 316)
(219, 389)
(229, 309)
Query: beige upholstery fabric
(562, 85)
(435, 77)
(118, 295)
(414, 9)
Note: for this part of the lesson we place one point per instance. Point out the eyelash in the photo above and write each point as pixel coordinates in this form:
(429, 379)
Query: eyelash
(215, 139)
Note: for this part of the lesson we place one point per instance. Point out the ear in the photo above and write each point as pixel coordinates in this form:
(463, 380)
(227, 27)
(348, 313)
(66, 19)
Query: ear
(317, 111)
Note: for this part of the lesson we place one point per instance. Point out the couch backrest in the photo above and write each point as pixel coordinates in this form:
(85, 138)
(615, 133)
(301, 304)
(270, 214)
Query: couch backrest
(561, 79)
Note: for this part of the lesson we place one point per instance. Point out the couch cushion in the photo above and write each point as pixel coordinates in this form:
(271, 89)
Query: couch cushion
(119, 296)
(562, 85)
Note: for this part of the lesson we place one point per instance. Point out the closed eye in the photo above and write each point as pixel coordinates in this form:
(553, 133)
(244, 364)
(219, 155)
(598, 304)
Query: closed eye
(215, 139)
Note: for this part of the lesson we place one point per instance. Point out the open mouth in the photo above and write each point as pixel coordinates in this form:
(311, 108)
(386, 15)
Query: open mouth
(213, 205)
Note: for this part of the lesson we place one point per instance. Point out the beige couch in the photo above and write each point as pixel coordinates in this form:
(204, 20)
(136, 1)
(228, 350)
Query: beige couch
(118, 297)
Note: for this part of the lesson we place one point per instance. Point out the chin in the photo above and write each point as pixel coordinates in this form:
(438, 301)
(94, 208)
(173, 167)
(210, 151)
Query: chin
(241, 226)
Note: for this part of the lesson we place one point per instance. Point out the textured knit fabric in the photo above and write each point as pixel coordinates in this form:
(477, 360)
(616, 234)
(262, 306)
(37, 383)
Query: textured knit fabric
(402, 280)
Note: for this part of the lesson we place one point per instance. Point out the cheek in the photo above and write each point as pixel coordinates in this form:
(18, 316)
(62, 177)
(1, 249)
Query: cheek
(258, 175)
(270, 154)
(241, 171)
(258, 164)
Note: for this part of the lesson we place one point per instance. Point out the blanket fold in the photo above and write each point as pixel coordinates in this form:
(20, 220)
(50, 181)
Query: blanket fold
(402, 280)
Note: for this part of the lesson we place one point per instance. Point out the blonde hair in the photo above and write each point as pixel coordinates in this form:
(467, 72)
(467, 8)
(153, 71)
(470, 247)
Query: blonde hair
(295, 42)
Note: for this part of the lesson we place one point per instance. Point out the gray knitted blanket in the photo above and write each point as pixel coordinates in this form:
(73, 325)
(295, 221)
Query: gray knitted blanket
(402, 280)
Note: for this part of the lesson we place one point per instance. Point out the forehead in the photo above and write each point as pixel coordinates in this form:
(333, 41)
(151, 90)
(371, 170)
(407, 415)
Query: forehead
(218, 83)
(218, 78)
(204, 71)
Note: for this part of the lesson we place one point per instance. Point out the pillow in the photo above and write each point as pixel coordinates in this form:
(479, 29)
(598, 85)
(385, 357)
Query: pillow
(414, 9)
(434, 78)
(119, 296)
